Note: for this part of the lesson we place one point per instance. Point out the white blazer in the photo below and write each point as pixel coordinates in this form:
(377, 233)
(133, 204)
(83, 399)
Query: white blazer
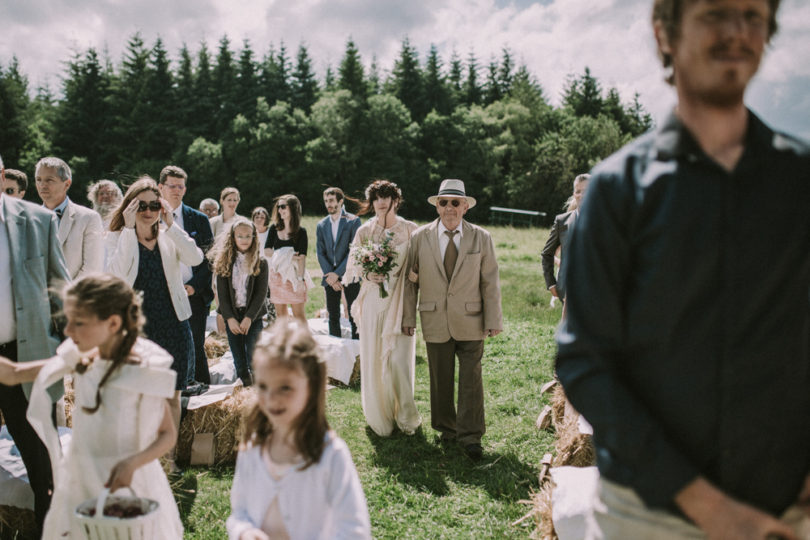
(176, 247)
(81, 239)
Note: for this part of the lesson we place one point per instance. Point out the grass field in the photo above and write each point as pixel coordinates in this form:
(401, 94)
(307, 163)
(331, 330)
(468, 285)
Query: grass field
(414, 488)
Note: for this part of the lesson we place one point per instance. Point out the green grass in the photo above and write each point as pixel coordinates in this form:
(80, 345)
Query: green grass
(414, 488)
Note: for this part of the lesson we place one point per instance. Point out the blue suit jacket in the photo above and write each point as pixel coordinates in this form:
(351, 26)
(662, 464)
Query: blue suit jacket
(333, 255)
(37, 264)
(198, 227)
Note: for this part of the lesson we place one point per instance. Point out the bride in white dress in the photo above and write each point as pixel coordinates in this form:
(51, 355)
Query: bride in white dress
(387, 356)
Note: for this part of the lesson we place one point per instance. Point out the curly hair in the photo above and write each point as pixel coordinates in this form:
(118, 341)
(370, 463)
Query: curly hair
(379, 189)
(105, 295)
(669, 13)
(290, 344)
(223, 254)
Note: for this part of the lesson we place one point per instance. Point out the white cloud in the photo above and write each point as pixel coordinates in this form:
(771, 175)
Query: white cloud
(553, 38)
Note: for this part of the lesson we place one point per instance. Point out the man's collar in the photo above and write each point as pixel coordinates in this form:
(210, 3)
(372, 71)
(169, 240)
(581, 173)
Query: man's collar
(673, 139)
(3, 208)
(442, 228)
(61, 206)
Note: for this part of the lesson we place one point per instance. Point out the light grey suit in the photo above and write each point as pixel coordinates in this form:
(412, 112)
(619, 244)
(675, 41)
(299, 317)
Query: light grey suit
(82, 240)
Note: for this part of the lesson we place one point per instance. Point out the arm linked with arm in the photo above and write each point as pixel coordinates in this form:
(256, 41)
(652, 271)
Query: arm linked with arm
(591, 346)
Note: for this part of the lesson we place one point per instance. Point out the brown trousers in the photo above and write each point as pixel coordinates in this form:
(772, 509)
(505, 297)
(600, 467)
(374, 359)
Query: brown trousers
(467, 426)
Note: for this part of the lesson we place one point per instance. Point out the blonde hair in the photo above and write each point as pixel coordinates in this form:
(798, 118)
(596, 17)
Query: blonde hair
(290, 344)
(223, 254)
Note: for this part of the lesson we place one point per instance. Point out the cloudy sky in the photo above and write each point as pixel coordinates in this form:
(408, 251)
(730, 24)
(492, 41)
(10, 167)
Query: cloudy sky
(553, 38)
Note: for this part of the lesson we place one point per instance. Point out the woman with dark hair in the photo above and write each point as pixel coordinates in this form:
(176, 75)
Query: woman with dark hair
(147, 256)
(261, 219)
(286, 250)
(387, 356)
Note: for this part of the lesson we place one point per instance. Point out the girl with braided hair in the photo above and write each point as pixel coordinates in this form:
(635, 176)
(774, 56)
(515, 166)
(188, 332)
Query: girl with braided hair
(122, 424)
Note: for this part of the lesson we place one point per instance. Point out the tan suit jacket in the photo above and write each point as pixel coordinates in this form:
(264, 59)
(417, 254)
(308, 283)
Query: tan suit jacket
(81, 238)
(467, 304)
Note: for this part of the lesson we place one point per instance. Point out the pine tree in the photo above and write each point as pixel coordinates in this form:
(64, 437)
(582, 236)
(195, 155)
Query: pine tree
(14, 103)
(187, 125)
(583, 95)
(206, 106)
(161, 112)
(374, 85)
(505, 75)
(350, 73)
(223, 77)
(437, 93)
(493, 88)
(329, 82)
(406, 81)
(304, 86)
(247, 84)
(454, 80)
(472, 90)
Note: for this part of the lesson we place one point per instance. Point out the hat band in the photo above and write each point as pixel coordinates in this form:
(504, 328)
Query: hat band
(456, 192)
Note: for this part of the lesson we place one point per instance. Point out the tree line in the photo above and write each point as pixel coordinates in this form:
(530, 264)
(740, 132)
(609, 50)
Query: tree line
(269, 125)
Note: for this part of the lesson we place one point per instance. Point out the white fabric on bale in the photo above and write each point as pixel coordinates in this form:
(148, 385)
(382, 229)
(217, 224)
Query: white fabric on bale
(573, 495)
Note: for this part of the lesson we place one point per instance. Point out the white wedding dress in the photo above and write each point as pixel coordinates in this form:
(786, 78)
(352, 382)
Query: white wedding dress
(132, 408)
(387, 356)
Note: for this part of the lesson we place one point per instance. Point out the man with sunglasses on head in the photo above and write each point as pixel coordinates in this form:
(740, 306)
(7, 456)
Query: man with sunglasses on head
(197, 280)
(15, 184)
(687, 338)
(31, 265)
(80, 228)
(453, 272)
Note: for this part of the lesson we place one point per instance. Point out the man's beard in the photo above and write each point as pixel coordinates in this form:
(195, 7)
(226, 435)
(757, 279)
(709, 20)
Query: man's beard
(105, 209)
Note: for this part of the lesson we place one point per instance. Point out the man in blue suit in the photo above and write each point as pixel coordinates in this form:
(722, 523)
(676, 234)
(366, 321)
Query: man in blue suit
(335, 233)
(31, 262)
(172, 185)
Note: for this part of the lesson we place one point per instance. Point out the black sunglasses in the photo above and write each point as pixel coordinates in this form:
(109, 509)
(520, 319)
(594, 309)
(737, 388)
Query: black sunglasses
(154, 206)
(282, 206)
(454, 202)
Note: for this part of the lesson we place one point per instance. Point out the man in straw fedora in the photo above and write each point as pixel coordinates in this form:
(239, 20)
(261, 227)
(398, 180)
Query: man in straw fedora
(687, 338)
(455, 276)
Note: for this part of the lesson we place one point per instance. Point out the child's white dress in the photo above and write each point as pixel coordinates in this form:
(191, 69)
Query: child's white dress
(132, 408)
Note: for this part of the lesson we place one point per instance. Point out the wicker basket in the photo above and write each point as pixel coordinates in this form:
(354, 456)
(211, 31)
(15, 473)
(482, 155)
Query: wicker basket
(101, 527)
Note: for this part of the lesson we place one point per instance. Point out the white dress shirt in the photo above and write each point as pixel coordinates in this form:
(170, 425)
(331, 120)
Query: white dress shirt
(443, 238)
(8, 329)
(335, 225)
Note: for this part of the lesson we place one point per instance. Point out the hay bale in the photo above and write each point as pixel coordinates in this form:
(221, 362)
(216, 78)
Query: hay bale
(354, 379)
(558, 407)
(541, 513)
(573, 448)
(17, 522)
(70, 402)
(215, 345)
(223, 419)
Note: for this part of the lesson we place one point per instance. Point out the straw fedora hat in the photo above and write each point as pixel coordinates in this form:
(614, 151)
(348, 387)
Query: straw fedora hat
(452, 188)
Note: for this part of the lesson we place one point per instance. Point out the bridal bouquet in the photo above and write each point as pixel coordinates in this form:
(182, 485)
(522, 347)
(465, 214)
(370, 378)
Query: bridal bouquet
(378, 258)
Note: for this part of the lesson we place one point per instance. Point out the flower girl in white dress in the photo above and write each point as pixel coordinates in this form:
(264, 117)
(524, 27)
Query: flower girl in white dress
(121, 419)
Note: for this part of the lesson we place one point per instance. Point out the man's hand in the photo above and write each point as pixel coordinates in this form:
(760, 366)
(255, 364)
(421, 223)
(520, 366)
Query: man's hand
(413, 273)
(331, 278)
(408, 330)
(189, 290)
(233, 325)
(553, 291)
(722, 517)
(492, 332)
(245, 325)
(337, 286)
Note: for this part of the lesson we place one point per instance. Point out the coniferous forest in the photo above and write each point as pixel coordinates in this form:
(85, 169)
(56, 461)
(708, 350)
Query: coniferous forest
(263, 121)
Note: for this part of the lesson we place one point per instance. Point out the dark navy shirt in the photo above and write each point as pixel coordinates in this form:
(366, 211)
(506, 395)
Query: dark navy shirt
(686, 343)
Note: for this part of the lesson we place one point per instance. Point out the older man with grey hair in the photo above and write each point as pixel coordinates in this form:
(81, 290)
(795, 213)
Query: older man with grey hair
(31, 264)
(80, 229)
(209, 207)
(105, 196)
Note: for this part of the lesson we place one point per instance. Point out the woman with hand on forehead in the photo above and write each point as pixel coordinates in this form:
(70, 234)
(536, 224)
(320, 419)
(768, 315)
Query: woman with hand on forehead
(147, 247)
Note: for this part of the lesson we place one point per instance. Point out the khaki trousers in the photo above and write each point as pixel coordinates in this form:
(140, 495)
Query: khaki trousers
(620, 514)
(466, 426)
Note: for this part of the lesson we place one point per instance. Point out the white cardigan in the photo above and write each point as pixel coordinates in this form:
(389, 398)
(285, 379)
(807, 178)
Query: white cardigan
(175, 247)
(324, 501)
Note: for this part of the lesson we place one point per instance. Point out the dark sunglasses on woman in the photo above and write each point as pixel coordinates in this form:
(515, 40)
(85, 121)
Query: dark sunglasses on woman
(154, 206)
(282, 206)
